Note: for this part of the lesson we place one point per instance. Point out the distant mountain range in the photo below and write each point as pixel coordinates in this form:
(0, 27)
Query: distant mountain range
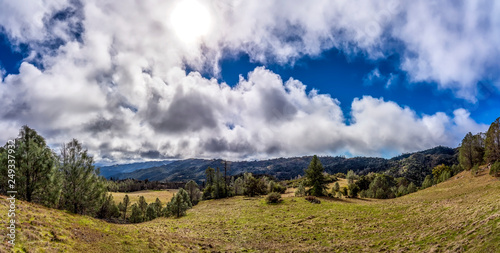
(108, 171)
(414, 166)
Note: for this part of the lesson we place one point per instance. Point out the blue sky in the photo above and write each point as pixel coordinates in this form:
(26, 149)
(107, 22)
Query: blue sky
(345, 78)
(238, 80)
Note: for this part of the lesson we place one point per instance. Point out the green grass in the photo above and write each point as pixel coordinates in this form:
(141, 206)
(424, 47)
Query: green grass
(461, 214)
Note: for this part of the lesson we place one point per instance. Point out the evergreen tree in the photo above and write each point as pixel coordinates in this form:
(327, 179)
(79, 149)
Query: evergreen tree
(137, 215)
(158, 206)
(336, 187)
(193, 191)
(108, 209)
(495, 169)
(238, 186)
(83, 190)
(142, 204)
(315, 177)
(427, 182)
(471, 150)
(151, 213)
(35, 166)
(126, 203)
(179, 204)
(492, 142)
(209, 183)
(412, 188)
(352, 190)
(351, 176)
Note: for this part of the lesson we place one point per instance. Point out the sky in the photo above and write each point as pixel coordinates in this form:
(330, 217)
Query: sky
(240, 80)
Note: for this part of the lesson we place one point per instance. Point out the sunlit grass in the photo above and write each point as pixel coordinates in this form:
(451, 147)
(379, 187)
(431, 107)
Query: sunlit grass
(461, 214)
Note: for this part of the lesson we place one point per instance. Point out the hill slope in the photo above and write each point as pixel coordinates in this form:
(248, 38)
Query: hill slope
(414, 166)
(461, 214)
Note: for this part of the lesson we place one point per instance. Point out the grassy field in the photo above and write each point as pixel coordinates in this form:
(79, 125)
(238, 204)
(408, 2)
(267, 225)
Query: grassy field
(150, 196)
(461, 214)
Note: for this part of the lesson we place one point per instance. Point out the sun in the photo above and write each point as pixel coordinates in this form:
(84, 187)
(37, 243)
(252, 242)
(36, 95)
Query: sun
(191, 20)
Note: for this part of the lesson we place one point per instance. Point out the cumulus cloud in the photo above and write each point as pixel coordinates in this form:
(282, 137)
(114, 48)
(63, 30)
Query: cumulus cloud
(112, 74)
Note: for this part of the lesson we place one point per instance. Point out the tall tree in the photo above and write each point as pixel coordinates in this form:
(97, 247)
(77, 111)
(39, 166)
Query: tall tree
(179, 204)
(35, 167)
(492, 142)
(83, 189)
(471, 150)
(126, 203)
(193, 191)
(315, 178)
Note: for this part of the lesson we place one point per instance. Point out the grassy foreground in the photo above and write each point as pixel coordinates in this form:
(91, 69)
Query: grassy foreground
(461, 214)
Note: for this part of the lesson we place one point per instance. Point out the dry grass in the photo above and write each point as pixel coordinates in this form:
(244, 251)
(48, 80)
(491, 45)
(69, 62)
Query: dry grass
(459, 215)
(150, 196)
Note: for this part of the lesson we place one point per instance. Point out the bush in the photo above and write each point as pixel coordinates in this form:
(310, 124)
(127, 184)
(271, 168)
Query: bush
(495, 169)
(301, 191)
(273, 198)
(313, 200)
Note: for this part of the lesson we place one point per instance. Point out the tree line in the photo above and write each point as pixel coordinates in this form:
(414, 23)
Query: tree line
(482, 149)
(65, 180)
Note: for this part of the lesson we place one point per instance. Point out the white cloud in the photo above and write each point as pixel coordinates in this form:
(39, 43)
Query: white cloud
(118, 84)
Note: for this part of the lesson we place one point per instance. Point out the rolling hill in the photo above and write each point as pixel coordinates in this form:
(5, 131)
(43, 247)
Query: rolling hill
(414, 166)
(459, 215)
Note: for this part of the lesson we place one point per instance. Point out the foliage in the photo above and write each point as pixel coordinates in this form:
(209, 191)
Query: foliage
(35, 166)
(495, 169)
(142, 204)
(351, 176)
(254, 186)
(441, 173)
(215, 187)
(273, 198)
(238, 186)
(492, 142)
(276, 187)
(301, 190)
(315, 177)
(428, 182)
(352, 190)
(193, 191)
(126, 203)
(151, 212)
(83, 190)
(108, 209)
(471, 150)
(179, 204)
(137, 215)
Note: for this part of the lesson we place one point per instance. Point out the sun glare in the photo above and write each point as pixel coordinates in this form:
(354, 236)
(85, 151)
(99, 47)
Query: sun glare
(191, 20)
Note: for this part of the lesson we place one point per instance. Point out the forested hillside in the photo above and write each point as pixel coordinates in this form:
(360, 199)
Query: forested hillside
(414, 166)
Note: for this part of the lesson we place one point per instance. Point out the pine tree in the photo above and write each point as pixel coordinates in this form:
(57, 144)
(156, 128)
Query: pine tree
(151, 212)
(492, 142)
(179, 204)
(142, 204)
(137, 215)
(315, 178)
(83, 190)
(35, 168)
(158, 206)
(238, 186)
(471, 150)
(126, 203)
(193, 191)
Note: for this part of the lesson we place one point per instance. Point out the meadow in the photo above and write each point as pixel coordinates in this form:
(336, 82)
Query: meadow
(459, 215)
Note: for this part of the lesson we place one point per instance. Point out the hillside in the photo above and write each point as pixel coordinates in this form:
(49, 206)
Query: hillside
(108, 171)
(459, 215)
(414, 166)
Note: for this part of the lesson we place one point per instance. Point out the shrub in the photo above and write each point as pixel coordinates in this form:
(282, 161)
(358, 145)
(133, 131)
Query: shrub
(495, 169)
(273, 198)
(301, 191)
(313, 200)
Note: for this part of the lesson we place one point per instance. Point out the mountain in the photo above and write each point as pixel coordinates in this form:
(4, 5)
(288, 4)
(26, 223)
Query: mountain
(414, 166)
(108, 171)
